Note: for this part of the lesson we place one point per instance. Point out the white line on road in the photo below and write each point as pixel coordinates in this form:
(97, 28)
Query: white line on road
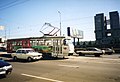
(70, 66)
(41, 77)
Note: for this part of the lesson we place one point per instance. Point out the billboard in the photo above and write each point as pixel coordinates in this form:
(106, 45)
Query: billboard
(75, 33)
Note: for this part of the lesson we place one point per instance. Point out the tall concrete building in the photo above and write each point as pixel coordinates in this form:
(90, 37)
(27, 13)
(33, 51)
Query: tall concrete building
(107, 37)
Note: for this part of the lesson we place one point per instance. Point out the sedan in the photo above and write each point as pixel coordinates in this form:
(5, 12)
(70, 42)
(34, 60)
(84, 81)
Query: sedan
(26, 53)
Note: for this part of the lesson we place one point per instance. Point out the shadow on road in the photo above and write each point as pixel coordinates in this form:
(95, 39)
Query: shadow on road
(53, 58)
(2, 76)
(6, 55)
(8, 58)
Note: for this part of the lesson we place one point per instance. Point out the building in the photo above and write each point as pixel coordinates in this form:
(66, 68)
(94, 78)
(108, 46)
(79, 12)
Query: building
(107, 37)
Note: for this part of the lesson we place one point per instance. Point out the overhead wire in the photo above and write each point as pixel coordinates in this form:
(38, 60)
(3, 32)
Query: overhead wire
(16, 2)
(4, 5)
(74, 19)
(78, 18)
(13, 5)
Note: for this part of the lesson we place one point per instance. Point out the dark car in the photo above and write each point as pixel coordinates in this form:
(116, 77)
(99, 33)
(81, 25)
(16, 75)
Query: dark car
(5, 68)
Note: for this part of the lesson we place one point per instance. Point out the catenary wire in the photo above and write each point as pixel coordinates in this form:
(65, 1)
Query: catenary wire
(14, 5)
(5, 5)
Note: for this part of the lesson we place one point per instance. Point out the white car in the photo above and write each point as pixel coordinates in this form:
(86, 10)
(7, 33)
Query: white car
(26, 53)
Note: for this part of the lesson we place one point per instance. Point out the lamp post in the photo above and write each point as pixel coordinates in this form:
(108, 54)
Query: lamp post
(60, 21)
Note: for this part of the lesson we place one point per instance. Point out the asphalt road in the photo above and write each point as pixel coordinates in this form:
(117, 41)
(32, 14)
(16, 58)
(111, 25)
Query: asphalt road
(73, 69)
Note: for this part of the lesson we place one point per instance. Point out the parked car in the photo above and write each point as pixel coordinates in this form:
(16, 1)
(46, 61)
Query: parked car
(26, 53)
(90, 51)
(5, 68)
(108, 51)
(3, 50)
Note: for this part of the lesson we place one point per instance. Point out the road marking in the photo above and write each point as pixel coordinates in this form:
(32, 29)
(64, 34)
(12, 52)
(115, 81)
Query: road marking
(70, 66)
(41, 77)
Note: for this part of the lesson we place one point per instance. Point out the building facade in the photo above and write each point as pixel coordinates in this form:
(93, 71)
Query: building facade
(107, 37)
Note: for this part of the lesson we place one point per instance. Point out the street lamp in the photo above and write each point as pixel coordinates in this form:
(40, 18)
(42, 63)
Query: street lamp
(60, 21)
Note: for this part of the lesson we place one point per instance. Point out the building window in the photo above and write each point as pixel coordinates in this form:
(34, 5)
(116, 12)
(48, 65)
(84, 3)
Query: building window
(108, 27)
(108, 34)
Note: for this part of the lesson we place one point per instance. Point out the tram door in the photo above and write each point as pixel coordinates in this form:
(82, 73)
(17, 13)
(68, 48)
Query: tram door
(59, 49)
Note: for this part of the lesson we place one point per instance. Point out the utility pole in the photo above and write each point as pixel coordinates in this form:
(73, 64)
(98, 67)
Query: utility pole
(60, 21)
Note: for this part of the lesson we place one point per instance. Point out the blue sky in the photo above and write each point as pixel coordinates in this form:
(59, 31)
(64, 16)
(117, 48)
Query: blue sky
(26, 18)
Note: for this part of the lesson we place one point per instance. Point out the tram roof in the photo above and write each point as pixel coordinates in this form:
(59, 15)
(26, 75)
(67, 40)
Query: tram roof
(43, 37)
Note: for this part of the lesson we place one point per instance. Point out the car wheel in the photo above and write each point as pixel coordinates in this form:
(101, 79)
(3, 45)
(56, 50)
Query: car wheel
(15, 58)
(29, 59)
(97, 55)
(80, 54)
(109, 53)
(70, 54)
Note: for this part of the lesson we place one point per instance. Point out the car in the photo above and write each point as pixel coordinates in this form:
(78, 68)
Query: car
(5, 68)
(26, 53)
(108, 51)
(3, 50)
(90, 51)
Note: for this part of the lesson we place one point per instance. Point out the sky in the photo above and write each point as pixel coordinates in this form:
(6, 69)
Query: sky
(25, 18)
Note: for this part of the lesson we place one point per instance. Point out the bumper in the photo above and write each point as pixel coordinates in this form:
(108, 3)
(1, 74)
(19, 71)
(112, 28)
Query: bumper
(6, 70)
(36, 58)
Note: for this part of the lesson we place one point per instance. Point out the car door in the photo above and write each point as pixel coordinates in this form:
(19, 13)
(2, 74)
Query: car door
(18, 53)
(23, 55)
(91, 51)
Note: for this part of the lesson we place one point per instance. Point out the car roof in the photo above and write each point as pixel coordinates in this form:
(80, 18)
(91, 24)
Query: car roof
(25, 49)
(91, 48)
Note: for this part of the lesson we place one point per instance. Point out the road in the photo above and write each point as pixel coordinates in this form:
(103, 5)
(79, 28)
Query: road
(72, 69)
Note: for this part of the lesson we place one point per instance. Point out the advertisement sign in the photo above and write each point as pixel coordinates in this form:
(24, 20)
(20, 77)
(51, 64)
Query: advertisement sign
(77, 33)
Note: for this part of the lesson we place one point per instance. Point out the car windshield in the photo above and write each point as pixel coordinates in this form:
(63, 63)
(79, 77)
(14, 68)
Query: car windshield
(3, 63)
(97, 49)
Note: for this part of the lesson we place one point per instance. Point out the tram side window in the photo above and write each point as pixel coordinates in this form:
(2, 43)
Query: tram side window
(19, 43)
(13, 43)
(31, 43)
